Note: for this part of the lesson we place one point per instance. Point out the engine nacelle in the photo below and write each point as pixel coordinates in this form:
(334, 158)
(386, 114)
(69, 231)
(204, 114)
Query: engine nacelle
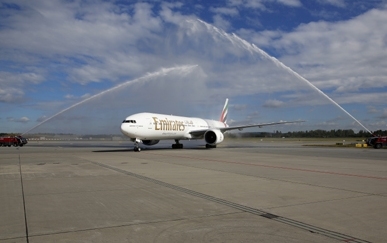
(213, 137)
(150, 142)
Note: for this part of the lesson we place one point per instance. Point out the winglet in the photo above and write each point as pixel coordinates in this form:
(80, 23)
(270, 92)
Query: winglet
(223, 116)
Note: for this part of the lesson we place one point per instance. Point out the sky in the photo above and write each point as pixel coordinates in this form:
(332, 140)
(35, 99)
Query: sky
(82, 66)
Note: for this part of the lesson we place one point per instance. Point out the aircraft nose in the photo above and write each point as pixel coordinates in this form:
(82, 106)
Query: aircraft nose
(124, 128)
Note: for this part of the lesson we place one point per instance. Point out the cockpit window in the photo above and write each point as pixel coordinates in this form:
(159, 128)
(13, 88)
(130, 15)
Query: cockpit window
(129, 121)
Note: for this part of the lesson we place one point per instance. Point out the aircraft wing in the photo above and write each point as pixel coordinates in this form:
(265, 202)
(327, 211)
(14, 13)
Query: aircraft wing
(223, 129)
(200, 133)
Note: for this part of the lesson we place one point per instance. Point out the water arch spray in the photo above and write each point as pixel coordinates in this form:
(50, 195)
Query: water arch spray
(184, 70)
(240, 43)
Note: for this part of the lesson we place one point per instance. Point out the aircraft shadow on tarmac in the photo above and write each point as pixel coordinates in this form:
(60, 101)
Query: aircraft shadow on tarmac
(143, 149)
(186, 147)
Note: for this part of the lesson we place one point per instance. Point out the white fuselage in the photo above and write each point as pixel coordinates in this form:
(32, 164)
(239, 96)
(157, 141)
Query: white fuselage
(153, 126)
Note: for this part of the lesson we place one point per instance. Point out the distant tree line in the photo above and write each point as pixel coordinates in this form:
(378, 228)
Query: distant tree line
(7, 134)
(340, 133)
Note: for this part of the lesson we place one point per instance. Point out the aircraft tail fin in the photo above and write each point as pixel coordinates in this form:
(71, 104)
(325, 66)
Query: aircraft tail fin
(223, 116)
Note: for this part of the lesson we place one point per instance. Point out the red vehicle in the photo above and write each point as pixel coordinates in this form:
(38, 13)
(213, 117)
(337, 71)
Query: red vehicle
(12, 141)
(377, 142)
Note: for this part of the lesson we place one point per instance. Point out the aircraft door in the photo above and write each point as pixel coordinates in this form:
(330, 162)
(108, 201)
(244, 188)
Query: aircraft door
(149, 123)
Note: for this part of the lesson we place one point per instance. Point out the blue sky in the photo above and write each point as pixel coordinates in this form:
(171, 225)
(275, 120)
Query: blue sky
(185, 58)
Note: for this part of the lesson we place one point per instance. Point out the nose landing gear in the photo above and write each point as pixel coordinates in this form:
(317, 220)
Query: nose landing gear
(136, 147)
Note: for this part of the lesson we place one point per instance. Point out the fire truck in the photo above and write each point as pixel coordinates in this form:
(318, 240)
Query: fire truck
(12, 141)
(377, 142)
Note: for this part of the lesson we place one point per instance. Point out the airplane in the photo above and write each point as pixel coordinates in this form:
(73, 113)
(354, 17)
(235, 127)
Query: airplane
(150, 128)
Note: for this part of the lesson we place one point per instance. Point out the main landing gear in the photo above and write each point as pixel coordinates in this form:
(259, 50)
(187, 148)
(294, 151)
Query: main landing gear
(210, 146)
(177, 145)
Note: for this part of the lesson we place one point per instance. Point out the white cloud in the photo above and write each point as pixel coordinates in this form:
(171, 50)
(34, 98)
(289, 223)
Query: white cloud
(10, 95)
(23, 119)
(225, 11)
(291, 3)
(261, 39)
(255, 4)
(273, 104)
(376, 98)
(8, 78)
(18, 120)
(383, 115)
(171, 16)
(101, 43)
(262, 4)
(346, 56)
(12, 85)
(85, 96)
(337, 3)
(95, 35)
(221, 22)
(372, 110)
(73, 97)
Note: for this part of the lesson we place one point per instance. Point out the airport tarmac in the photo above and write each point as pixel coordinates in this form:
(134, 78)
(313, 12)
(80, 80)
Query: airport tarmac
(242, 191)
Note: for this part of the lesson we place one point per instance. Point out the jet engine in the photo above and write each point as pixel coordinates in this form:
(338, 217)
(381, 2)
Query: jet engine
(150, 142)
(213, 137)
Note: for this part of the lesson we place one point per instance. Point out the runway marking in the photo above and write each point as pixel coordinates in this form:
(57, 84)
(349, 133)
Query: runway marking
(24, 201)
(277, 167)
(267, 215)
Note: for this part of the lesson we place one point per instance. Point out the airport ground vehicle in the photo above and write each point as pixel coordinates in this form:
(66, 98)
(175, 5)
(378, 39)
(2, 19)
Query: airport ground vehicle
(377, 142)
(12, 141)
